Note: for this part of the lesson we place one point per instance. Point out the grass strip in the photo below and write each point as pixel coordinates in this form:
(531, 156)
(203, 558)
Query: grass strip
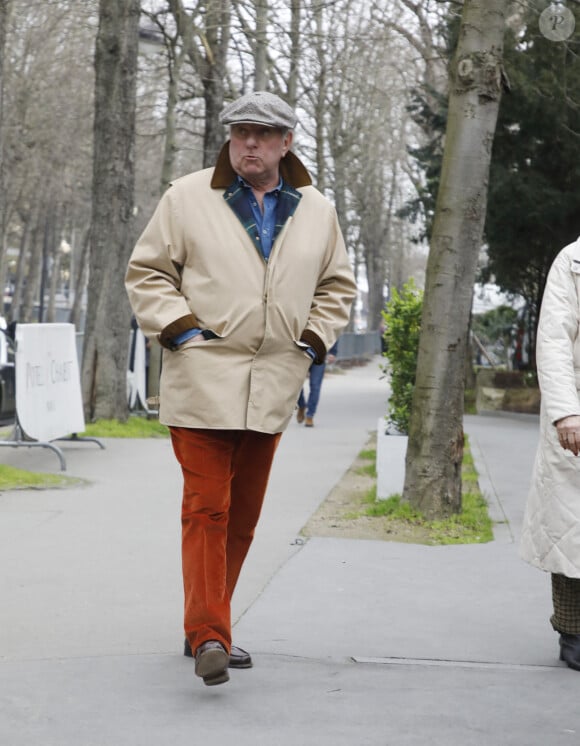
(471, 526)
(19, 479)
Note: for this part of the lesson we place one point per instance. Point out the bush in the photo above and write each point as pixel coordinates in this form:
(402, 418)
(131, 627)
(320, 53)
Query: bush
(402, 317)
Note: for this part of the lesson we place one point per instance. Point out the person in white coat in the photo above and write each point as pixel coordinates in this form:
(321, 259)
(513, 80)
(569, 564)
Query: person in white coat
(551, 528)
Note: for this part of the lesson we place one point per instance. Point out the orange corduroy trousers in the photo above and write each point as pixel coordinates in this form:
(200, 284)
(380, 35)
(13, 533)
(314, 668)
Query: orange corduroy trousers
(225, 475)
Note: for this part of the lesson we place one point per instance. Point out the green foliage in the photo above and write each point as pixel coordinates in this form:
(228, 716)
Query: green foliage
(394, 507)
(495, 329)
(473, 521)
(135, 427)
(534, 184)
(471, 526)
(535, 171)
(18, 479)
(368, 470)
(402, 317)
(495, 324)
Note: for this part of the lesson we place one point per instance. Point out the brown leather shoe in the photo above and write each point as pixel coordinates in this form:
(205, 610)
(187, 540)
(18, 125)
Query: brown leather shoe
(238, 658)
(309, 422)
(211, 663)
(300, 414)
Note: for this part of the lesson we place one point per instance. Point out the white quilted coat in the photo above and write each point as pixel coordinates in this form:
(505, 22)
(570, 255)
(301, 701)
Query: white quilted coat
(551, 529)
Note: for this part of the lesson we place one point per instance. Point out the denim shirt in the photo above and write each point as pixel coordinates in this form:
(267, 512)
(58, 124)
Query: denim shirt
(265, 221)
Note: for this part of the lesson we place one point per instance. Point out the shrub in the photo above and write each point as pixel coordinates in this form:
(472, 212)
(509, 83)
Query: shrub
(402, 317)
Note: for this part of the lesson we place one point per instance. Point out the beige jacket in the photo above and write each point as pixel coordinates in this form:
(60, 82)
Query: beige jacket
(195, 266)
(551, 528)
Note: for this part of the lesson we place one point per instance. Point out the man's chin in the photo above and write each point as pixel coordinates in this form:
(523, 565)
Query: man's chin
(251, 173)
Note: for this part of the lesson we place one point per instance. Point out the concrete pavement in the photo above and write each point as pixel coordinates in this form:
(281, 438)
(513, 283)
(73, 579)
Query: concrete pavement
(354, 642)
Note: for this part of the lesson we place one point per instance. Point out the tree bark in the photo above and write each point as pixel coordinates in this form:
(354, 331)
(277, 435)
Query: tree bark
(170, 142)
(435, 448)
(3, 23)
(295, 50)
(52, 266)
(79, 281)
(261, 46)
(105, 347)
(217, 33)
(210, 63)
(35, 269)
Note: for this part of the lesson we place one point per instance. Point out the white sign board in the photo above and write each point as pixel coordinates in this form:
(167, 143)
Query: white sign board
(137, 373)
(49, 403)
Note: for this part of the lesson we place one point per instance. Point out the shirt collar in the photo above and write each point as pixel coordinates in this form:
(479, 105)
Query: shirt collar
(275, 191)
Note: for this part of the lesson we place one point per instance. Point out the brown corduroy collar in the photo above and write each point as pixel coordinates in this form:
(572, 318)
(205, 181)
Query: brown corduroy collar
(292, 170)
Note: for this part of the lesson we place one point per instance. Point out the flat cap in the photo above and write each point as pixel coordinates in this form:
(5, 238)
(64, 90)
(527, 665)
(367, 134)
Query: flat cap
(259, 107)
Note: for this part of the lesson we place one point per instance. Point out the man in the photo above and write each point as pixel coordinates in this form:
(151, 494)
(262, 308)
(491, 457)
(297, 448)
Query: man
(243, 277)
(307, 407)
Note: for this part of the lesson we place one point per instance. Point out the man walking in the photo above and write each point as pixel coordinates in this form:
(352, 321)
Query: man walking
(243, 277)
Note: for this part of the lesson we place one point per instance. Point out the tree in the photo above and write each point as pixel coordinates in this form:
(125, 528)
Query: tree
(358, 127)
(535, 171)
(315, 54)
(402, 317)
(206, 39)
(105, 352)
(48, 140)
(3, 23)
(495, 328)
(435, 448)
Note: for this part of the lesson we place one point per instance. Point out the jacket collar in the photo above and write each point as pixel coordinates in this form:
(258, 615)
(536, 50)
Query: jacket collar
(286, 204)
(292, 170)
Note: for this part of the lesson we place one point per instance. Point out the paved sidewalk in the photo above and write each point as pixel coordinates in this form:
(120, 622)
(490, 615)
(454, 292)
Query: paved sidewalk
(354, 642)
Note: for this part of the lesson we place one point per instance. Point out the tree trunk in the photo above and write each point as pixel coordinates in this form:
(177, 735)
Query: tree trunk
(105, 347)
(53, 267)
(217, 35)
(3, 23)
(170, 144)
(435, 448)
(295, 48)
(209, 62)
(261, 46)
(320, 104)
(35, 268)
(375, 264)
(79, 281)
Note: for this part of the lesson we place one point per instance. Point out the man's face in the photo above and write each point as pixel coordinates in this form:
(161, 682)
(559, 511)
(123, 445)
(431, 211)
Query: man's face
(256, 151)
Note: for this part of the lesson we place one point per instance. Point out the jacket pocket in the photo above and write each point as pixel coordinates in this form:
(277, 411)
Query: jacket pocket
(205, 336)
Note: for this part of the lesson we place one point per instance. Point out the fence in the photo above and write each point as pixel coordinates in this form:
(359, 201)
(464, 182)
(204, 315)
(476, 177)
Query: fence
(355, 346)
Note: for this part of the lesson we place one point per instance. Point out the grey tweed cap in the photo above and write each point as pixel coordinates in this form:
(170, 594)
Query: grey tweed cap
(259, 107)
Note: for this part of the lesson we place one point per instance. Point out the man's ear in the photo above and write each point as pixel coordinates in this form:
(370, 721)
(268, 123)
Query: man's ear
(288, 137)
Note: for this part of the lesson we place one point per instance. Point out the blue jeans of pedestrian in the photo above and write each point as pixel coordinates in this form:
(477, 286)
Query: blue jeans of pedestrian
(315, 376)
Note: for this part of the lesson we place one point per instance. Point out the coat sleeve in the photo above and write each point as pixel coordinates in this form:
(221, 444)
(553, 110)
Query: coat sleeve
(556, 337)
(153, 277)
(333, 297)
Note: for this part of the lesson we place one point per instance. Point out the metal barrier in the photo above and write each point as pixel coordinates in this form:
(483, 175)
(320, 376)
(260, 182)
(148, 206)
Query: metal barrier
(352, 345)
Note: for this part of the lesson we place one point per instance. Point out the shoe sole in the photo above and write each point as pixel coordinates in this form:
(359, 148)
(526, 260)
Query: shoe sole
(212, 667)
(222, 678)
